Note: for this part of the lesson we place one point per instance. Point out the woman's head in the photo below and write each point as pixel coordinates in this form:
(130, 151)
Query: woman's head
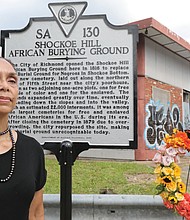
(8, 86)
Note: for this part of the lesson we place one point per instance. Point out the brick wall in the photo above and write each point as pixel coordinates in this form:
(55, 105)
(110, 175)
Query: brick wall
(176, 94)
(176, 97)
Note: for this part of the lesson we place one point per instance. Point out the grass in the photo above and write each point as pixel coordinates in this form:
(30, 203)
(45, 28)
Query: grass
(94, 177)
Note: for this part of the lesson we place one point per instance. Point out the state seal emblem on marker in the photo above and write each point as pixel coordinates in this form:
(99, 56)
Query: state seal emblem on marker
(67, 14)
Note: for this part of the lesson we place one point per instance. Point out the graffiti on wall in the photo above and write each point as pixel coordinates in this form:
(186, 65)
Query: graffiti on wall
(160, 121)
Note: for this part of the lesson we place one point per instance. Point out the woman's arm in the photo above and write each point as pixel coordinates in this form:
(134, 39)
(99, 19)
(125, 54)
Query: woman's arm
(36, 211)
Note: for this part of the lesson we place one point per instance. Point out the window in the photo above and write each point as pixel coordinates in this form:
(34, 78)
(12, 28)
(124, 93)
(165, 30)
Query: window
(162, 97)
(186, 109)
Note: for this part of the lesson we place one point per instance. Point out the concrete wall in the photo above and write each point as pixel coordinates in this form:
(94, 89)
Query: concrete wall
(115, 154)
(111, 207)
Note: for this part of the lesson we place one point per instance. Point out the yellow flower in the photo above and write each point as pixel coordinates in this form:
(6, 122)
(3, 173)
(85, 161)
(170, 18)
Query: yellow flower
(181, 187)
(179, 196)
(172, 199)
(177, 170)
(178, 179)
(169, 183)
(166, 179)
(172, 186)
(167, 139)
(158, 180)
(167, 171)
(164, 195)
(157, 170)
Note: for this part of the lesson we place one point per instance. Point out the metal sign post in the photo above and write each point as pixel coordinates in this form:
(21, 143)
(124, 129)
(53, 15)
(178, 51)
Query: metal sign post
(66, 162)
(66, 153)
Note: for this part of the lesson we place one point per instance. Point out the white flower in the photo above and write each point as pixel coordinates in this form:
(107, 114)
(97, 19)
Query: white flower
(171, 151)
(157, 158)
(167, 160)
(177, 159)
(181, 150)
(162, 148)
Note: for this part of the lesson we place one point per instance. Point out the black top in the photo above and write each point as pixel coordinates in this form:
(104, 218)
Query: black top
(29, 176)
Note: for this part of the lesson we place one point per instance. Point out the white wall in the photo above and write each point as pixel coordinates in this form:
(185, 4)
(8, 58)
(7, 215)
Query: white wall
(163, 65)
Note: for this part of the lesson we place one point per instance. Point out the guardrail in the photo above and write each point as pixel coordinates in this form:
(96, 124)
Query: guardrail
(110, 207)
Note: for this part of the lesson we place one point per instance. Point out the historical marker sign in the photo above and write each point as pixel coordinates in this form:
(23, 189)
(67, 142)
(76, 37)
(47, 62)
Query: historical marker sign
(77, 78)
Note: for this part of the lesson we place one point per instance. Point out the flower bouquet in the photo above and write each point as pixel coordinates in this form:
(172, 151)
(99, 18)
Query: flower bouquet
(169, 183)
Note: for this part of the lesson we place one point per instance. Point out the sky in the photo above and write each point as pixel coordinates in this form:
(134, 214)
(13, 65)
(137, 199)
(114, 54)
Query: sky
(175, 15)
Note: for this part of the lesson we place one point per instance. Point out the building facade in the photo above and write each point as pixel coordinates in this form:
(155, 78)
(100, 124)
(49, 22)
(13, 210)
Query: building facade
(163, 85)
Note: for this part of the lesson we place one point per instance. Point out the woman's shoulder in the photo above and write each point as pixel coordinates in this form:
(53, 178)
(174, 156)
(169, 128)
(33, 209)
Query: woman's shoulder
(28, 141)
(25, 137)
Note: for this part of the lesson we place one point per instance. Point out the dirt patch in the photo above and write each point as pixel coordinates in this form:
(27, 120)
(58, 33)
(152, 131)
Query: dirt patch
(140, 178)
(143, 178)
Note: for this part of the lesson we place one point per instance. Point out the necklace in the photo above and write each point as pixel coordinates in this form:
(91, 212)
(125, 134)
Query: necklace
(4, 132)
(12, 160)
